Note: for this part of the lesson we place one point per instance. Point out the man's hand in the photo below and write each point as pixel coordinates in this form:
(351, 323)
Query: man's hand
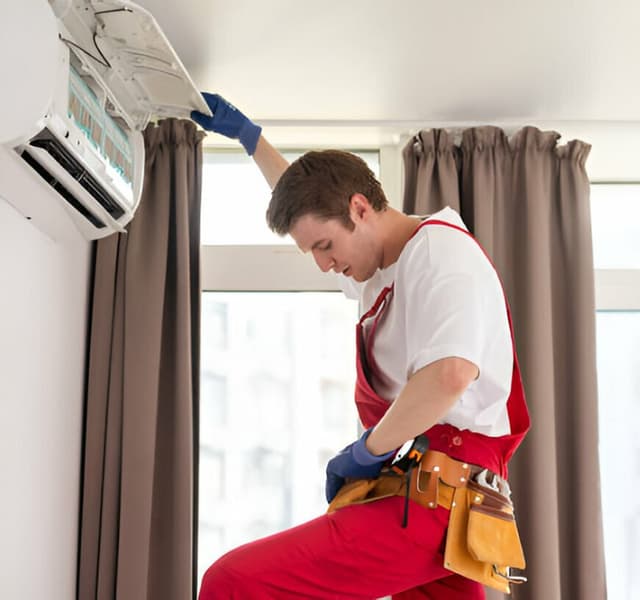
(355, 462)
(228, 121)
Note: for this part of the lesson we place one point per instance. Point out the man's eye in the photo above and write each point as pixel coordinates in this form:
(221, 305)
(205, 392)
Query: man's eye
(326, 246)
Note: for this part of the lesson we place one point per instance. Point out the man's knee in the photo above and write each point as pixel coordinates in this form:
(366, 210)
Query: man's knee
(218, 584)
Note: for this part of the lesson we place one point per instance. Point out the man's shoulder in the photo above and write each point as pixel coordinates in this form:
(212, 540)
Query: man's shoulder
(447, 215)
(417, 250)
(438, 249)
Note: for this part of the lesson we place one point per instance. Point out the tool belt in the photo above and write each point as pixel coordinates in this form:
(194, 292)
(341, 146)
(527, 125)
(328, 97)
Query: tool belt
(482, 537)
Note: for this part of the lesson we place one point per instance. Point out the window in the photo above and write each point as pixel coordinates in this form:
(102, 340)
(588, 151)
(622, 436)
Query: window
(235, 198)
(616, 231)
(213, 399)
(277, 371)
(268, 442)
(615, 214)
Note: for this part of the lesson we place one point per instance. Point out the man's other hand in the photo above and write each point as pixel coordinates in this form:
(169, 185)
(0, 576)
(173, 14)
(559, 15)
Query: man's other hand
(353, 462)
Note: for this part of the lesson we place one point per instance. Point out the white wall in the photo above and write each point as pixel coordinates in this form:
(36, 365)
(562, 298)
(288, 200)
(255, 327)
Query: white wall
(43, 316)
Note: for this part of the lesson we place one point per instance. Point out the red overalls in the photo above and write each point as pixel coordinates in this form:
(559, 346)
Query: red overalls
(361, 552)
(468, 446)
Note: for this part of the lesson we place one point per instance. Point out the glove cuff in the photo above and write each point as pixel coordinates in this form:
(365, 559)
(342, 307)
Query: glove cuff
(362, 455)
(249, 135)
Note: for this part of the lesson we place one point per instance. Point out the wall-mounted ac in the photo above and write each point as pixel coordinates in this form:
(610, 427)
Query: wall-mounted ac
(80, 81)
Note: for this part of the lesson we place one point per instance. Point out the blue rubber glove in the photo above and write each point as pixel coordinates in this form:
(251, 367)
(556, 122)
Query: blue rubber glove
(355, 462)
(228, 121)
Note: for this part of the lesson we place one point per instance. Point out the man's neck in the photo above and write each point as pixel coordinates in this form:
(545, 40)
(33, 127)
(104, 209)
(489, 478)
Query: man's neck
(396, 230)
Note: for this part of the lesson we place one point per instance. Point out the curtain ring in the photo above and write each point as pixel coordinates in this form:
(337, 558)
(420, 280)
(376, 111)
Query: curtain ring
(418, 148)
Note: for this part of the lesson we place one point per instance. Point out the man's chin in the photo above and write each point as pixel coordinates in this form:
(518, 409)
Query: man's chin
(360, 278)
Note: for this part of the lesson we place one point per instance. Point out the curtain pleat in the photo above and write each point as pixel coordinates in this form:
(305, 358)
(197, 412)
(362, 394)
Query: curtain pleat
(138, 520)
(526, 200)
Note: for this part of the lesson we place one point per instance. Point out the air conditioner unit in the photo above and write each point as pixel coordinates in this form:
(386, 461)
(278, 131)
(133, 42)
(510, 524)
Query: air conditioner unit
(80, 81)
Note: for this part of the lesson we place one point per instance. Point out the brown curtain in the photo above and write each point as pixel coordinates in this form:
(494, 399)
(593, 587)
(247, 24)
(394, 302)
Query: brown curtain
(138, 517)
(526, 199)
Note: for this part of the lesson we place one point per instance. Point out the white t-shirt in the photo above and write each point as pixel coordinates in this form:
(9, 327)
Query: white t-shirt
(447, 301)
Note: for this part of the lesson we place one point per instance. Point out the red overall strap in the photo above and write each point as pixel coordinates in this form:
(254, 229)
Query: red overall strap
(376, 311)
(491, 452)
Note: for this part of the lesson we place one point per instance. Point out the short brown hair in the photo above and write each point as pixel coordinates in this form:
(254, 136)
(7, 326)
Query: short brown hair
(321, 183)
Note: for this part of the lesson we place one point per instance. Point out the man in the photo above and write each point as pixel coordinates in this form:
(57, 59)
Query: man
(435, 356)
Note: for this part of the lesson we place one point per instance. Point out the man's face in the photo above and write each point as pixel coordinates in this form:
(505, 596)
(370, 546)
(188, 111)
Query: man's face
(334, 247)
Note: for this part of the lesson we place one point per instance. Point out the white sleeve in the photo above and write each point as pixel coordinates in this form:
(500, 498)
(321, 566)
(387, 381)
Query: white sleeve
(451, 293)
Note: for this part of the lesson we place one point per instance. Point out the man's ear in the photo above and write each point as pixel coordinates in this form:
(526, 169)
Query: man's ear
(359, 207)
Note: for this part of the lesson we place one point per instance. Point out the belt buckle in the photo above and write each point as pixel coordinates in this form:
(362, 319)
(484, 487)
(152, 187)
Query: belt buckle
(508, 575)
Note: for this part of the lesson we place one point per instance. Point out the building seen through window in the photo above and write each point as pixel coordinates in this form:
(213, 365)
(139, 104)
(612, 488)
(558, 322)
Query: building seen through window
(276, 403)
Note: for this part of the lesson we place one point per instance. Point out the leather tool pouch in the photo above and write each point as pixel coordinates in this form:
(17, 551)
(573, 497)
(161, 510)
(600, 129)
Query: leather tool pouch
(482, 539)
(361, 491)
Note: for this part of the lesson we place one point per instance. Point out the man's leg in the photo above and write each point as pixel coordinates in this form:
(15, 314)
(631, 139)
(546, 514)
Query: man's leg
(359, 552)
(454, 587)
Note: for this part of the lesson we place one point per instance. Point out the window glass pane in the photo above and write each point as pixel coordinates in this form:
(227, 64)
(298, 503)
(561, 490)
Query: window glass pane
(615, 217)
(618, 346)
(277, 403)
(235, 197)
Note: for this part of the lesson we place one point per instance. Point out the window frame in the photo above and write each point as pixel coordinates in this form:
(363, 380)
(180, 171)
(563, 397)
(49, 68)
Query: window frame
(616, 289)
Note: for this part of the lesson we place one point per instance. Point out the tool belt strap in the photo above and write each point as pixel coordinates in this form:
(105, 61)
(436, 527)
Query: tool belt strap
(433, 483)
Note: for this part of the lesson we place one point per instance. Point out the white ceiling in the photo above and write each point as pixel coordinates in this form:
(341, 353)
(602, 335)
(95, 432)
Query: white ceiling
(413, 60)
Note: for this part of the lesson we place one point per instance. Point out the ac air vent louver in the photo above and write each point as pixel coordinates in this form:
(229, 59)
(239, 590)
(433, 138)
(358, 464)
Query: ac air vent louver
(61, 189)
(47, 141)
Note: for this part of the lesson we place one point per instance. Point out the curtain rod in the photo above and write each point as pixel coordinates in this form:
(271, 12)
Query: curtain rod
(431, 124)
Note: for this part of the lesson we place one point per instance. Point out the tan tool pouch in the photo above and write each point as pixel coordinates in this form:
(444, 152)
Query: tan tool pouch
(360, 491)
(482, 538)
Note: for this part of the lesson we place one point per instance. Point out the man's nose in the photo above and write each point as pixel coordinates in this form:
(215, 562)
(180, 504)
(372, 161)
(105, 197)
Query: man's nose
(324, 262)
